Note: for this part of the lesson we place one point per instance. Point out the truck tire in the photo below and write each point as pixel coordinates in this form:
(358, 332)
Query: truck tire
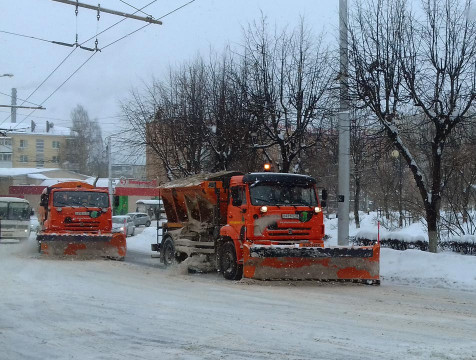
(168, 251)
(227, 263)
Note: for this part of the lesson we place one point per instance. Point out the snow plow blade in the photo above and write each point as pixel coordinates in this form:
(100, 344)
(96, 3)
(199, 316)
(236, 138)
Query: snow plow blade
(83, 245)
(287, 262)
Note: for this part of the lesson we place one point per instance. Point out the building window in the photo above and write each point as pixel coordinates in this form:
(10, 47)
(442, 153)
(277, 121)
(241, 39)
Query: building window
(6, 141)
(56, 144)
(40, 146)
(23, 158)
(55, 160)
(23, 144)
(40, 160)
(6, 157)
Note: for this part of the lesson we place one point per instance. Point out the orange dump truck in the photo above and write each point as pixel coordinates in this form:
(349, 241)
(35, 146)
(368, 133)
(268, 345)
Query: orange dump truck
(76, 220)
(265, 226)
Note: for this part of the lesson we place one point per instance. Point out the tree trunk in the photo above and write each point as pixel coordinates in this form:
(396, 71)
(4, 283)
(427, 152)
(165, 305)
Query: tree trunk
(432, 222)
(356, 202)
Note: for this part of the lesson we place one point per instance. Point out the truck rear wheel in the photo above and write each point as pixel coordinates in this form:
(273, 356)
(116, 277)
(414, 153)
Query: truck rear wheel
(228, 265)
(168, 252)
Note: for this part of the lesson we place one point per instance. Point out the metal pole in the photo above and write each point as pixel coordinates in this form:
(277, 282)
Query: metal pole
(113, 12)
(109, 167)
(14, 104)
(344, 133)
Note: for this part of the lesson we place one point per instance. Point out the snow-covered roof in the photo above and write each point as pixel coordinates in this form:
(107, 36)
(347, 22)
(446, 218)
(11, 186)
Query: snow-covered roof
(49, 182)
(38, 176)
(102, 182)
(39, 128)
(7, 172)
(149, 202)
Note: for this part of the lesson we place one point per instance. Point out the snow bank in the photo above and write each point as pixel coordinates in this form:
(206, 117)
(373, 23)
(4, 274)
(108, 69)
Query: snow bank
(421, 268)
(411, 234)
(142, 241)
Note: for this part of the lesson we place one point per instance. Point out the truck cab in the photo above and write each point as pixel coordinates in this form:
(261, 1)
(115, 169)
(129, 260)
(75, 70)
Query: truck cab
(274, 207)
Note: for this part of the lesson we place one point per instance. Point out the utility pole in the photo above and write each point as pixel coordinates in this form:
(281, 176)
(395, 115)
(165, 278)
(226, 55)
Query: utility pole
(344, 132)
(14, 104)
(148, 19)
(109, 170)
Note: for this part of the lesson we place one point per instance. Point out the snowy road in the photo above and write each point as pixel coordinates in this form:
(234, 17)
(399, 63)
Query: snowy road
(62, 309)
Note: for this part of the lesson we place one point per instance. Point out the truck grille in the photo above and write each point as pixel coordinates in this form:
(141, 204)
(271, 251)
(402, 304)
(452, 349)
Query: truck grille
(290, 231)
(82, 225)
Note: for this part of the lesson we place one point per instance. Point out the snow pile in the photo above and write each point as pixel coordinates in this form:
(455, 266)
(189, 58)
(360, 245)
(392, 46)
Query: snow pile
(142, 241)
(421, 268)
(464, 239)
(411, 234)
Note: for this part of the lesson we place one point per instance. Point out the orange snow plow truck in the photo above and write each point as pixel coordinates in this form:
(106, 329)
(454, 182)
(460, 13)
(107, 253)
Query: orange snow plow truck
(76, 220)
(266, 226)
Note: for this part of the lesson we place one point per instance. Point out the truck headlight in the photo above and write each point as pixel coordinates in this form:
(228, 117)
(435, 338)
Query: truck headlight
(317, 209)
(26, 230)
(263, 209)
(122, 229)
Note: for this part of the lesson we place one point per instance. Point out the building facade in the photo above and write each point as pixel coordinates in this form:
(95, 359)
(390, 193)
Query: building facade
(39, 145)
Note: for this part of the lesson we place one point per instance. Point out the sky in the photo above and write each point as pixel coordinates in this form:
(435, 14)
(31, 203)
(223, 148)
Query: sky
(107, 78)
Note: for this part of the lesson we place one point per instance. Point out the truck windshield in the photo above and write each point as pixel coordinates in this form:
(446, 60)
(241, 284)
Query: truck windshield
(14, 211)
(282, 194)
(81, 199)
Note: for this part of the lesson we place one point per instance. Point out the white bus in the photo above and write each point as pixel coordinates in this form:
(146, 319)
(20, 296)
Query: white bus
(14, 218)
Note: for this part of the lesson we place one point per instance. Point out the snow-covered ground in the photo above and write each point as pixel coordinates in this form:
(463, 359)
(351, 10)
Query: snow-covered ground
(136, 309)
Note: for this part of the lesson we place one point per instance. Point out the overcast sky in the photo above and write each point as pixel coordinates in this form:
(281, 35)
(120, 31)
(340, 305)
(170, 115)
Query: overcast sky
(110, 74)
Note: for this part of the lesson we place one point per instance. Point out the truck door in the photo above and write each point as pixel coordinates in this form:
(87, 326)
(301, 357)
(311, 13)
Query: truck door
(237, 209)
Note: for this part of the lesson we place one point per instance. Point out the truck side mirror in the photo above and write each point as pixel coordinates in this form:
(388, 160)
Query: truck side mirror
(44, 200)
(323, 203)
(324, 195)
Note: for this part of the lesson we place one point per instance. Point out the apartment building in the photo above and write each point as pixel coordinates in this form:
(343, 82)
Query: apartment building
(39, 145)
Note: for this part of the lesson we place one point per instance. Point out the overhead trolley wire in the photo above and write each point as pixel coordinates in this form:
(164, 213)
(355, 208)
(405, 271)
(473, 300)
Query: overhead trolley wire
(94, 53)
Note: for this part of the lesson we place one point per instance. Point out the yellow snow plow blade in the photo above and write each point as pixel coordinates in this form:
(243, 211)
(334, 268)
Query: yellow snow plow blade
(283, 262)
(83, 245)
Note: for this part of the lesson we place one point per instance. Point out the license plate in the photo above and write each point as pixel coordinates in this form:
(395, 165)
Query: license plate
(81, 213)
(290, 216)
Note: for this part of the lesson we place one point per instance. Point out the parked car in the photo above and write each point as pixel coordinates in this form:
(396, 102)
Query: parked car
(123, 223)
(140, 218)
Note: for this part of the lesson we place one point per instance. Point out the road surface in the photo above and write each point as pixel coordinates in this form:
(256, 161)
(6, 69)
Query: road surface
(136, 309)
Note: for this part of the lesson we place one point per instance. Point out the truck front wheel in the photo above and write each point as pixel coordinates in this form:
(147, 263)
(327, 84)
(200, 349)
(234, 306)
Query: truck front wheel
(228, 265)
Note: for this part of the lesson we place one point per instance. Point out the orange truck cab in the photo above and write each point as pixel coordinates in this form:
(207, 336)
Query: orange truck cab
(257, 225)
(76, 219)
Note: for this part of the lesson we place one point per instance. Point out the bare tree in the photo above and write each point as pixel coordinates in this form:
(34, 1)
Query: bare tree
(416, 75)
(289, 79)
(86, 148)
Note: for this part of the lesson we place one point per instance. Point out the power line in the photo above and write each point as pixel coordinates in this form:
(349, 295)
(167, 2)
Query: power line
(67, 120)
(132, 6)
(34, 91)
(61, 63)
(142, 27)
(87, 60)
(24, 101)
(117, 23)
(180, 7)
(64, 82)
